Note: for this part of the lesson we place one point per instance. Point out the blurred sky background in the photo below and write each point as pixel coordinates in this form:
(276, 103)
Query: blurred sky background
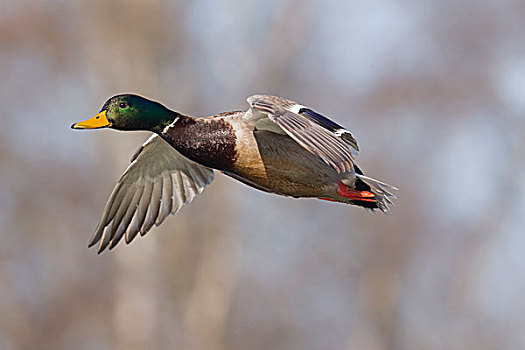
(432, 90)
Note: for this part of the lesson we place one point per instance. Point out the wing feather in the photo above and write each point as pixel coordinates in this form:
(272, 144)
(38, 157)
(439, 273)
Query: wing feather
(178, 202)
(141, 212)
(130, 212)
(189, 186)
(180, 188)
(154, 207)
(308, 132)
(134, 227)
(158, 182)
(167, 193)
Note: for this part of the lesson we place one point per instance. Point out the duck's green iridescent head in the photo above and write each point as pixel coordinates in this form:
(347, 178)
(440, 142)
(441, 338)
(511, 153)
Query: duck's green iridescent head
(130, 112)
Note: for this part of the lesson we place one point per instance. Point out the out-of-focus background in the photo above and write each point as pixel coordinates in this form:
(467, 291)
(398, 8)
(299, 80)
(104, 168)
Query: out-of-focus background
(434, 93)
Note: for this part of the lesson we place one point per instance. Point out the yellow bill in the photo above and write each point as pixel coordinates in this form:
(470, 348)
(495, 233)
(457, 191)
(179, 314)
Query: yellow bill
(98, 121)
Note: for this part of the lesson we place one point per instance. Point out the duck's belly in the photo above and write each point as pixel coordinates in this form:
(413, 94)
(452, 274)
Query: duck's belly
(275, 163)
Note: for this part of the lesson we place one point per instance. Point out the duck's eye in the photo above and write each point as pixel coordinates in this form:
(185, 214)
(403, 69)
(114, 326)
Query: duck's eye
(122, 104)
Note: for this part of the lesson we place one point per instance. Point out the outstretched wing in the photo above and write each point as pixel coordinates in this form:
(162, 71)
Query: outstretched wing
(158, 182)
(317, 134)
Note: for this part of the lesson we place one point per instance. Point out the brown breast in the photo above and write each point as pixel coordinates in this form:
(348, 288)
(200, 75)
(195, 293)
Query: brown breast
(208, 141)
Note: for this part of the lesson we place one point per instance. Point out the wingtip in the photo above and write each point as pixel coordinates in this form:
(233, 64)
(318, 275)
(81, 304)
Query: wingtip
(92, 242)
(101, 248)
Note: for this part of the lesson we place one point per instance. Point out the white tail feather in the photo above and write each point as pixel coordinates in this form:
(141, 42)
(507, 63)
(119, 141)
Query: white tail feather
(381, 190)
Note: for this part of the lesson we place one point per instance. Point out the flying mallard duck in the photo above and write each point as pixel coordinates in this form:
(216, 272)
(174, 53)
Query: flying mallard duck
(276, 146)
